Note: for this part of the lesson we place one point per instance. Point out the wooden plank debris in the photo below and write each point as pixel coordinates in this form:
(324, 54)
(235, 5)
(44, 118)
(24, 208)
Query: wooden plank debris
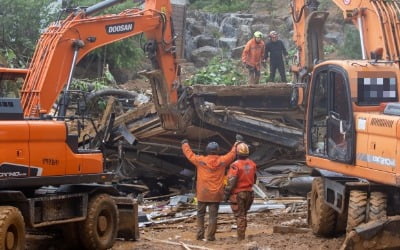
(288, 229)
(174, 243)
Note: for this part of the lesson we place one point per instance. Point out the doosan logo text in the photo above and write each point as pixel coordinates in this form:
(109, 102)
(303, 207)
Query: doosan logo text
(119, 28)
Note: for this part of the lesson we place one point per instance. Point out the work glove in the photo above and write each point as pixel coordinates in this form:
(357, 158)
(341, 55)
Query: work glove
(184, 141)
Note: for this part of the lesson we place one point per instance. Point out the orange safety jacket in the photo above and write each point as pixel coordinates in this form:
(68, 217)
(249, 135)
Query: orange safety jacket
(253, 53)
(245, 172)
(210, 173)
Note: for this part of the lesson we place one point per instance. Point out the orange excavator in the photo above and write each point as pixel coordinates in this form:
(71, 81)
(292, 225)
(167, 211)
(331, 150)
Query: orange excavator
(37, 150)
(352, 123)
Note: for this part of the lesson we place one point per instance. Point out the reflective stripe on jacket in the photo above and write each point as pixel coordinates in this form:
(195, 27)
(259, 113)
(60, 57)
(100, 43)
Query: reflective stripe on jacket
(210, 173)
(245, 172)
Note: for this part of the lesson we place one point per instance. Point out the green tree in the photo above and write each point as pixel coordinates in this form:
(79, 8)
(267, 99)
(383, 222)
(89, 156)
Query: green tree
(22, 21)
(20, 24)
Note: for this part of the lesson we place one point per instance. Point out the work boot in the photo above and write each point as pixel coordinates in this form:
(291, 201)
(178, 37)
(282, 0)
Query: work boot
(211, 238)
(252, 80)
(257, 80)
(200, 229)
(240, 235)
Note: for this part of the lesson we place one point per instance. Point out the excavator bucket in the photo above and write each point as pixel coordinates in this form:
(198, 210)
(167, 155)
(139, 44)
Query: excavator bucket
(379, 234)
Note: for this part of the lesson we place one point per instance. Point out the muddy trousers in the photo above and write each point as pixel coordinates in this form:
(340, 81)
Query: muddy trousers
(212, 219)
(254, 75)
(280, 66)
(240, 204)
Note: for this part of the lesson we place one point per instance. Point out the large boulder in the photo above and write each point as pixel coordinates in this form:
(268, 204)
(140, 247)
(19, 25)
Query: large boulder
(204, 40)
(237, 52)
(201, 56)
(227, 44)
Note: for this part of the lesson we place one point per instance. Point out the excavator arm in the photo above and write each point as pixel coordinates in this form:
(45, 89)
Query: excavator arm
(377, 23)
(66, 42)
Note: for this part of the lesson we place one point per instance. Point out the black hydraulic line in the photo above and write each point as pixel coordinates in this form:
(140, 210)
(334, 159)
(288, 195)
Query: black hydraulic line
(101, 6)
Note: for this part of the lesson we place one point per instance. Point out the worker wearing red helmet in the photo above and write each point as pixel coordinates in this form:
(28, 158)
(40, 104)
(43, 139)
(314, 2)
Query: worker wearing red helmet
(239, 189)
(275, 52)
(210, 171)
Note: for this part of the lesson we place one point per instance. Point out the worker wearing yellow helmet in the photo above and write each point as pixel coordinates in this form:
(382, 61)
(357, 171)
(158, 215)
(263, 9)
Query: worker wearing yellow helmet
(252, 56)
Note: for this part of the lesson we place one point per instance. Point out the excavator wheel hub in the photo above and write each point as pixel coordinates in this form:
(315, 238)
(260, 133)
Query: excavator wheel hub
(10, 240)
(102, 224)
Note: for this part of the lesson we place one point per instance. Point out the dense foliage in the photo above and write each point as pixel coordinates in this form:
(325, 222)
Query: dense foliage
(22, 22)
(221, 6)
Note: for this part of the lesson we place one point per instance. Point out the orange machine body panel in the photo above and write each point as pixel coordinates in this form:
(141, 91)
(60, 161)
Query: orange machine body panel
(39, 148)
(374, 139)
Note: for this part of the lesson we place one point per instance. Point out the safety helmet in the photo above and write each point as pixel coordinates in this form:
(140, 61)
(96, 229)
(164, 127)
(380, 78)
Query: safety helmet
(273, 33)
(212, 148)
(258, 34)
(242, 149)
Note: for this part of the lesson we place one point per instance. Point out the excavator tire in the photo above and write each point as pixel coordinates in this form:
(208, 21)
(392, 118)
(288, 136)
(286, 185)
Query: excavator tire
(377, 206)
(323, 217)
(99, 230)
(12, 229)
(357, 209)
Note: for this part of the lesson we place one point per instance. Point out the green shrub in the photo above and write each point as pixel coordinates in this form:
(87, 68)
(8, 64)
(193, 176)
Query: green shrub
(220, 71)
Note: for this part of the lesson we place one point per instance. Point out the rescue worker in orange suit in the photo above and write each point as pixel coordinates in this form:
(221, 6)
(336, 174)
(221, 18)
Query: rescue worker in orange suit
(210, 184)
(275, 50)
(239, 189)
(252, 56)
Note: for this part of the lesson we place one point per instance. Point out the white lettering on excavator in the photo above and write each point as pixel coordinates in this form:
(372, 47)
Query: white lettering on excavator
(119, 28)
(384, 161)
(12, 174)
(390, 162)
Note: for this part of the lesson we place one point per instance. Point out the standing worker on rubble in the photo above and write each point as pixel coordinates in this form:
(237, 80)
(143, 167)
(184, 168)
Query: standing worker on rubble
(276, 51)
(209, 187)
(252, 56)
(239, 189)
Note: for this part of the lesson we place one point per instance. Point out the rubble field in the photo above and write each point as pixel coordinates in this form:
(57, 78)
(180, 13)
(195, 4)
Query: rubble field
(259, 235)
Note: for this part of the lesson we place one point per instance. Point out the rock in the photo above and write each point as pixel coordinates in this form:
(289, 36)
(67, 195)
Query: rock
(244, 35)
(334, 37)
(263, 28)
(204, 40)
(237, 52)
(201, 56)
(227, 43)
(253, 245)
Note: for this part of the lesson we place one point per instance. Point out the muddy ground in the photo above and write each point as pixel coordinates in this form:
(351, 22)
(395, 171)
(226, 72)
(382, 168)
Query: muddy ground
(259, 235)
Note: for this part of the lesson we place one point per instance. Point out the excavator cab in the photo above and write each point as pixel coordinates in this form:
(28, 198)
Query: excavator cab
(351, 141)
(331, 131)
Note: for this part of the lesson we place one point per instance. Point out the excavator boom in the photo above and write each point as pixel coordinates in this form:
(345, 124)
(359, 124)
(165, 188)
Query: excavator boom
(376, 21)
(66, 42)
